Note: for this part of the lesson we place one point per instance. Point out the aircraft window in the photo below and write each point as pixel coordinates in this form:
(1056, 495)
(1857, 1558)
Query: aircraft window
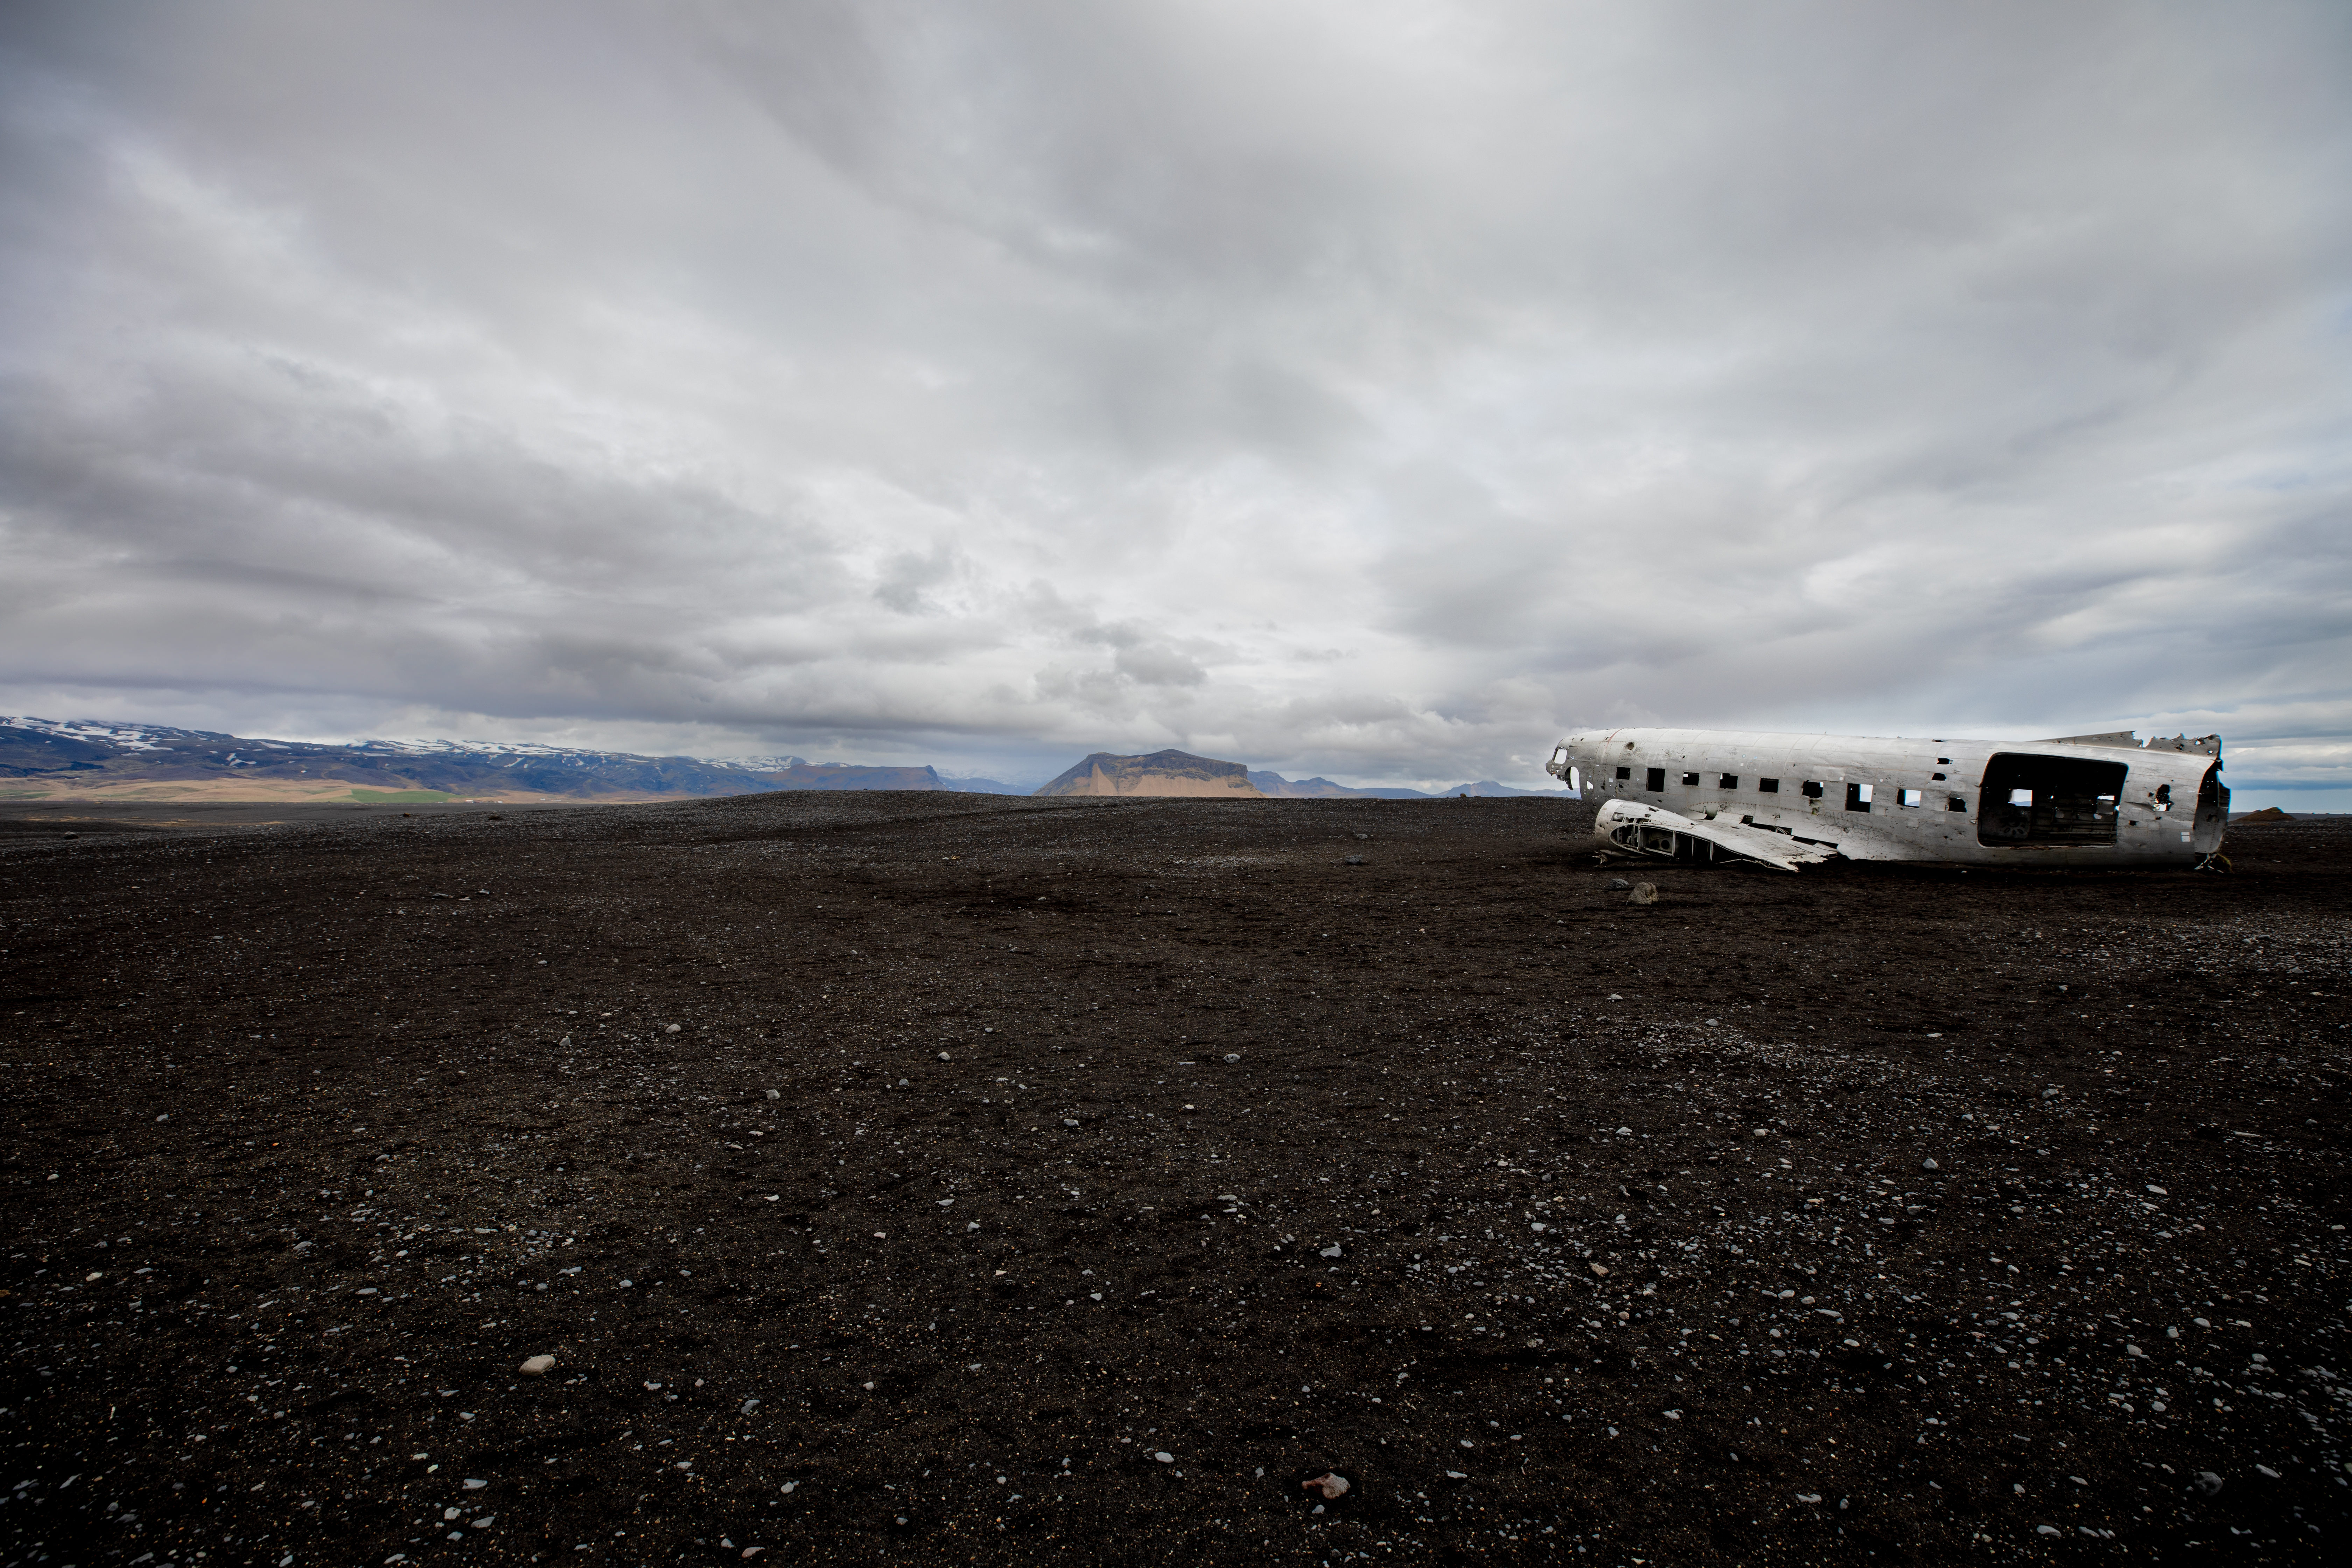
(1656, 779)
(1946, 760)
(1937, 777)
(2163, 797)
(1912, 796)
(1768, 786)
(1728, 781)
(1857, 797)
(1959, 803)
(2021, 797)
(1624, 773)
(1812, 789)
(1690, 780)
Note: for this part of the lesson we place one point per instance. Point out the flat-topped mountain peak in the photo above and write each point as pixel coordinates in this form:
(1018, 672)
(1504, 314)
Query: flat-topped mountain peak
(1168, 773)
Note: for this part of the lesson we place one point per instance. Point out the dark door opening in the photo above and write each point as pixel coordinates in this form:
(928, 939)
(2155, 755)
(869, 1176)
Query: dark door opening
(2027, 799)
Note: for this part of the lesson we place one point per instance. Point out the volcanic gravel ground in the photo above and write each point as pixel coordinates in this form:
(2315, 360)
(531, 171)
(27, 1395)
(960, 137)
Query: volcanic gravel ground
(937, 1178)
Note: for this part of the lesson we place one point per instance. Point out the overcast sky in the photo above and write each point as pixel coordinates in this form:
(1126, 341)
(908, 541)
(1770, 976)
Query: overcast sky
(1366, 389)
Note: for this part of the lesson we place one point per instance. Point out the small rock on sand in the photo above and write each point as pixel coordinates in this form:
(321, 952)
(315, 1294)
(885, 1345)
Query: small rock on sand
(539, 1366)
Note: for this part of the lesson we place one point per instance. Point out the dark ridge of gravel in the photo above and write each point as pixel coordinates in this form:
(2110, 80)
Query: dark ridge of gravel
(1561, 1228)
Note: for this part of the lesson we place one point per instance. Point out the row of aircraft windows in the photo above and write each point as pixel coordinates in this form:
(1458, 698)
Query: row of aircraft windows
(1858, 796)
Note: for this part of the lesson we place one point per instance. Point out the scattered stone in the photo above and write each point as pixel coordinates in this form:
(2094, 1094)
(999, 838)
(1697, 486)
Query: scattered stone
(539, 1366)
(1930, 1166)
(2047, 1529)
(1333, 1486)
(1355, 859)
(1601, 1270)
(944, 1056)
(1164, 1456)
(775, 1094)
(2207, 1482)
(1330, 1251)
(2268, 1472)
(1619, 884)
(474, 1485)
(1642, 893)
(672, 1028)
(1232, 1057)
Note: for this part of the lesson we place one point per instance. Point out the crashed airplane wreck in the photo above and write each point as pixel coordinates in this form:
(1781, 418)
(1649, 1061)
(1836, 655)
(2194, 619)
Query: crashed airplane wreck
(1789, 801)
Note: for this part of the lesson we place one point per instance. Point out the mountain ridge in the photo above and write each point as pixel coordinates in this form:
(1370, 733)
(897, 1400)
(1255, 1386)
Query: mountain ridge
(47, 759)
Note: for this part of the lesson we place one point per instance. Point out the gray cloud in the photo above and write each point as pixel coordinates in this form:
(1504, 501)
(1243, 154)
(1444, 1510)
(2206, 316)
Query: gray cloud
(1369, 389)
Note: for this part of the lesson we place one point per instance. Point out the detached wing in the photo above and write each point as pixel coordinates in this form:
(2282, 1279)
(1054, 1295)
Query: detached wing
(1632, 827)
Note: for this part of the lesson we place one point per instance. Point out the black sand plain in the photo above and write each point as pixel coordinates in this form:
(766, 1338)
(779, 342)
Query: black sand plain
(955, 1178)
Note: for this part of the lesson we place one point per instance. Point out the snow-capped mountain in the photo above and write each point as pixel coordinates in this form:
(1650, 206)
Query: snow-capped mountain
(49, 757)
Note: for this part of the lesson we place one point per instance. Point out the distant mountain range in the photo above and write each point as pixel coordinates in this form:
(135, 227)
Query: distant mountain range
(1324, 789)
(45, 759)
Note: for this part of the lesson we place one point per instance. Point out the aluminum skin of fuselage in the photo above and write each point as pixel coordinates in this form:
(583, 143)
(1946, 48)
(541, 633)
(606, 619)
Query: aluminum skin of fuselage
(1888, 798)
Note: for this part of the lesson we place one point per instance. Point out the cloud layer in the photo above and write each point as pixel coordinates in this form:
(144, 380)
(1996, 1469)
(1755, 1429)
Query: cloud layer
(1367, 389)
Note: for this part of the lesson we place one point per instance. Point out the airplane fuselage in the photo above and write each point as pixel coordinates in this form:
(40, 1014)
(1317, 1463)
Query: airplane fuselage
(2101, 800)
